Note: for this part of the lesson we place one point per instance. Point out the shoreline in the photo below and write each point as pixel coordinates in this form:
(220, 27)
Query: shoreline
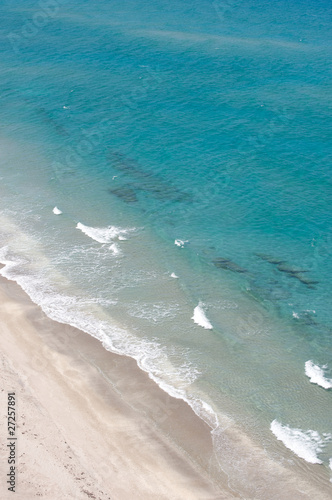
(91, 423)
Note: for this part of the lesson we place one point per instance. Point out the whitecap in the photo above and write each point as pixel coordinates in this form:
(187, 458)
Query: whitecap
(180, 243)
(57, 211)
(200, 318)
(115, 249)
(316, 375)
(330, 463)
(103, 234)
(305, 444)
(173, 275)
(295, 315)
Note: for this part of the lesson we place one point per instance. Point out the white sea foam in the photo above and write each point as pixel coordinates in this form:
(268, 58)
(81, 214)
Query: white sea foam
(200, 407)
(104, 234)
(173, 275)
(295, 315)
(180, 243)
(57, 211)
(200, 318)
(154, 313)
(330, 463)
(305, 444)
(115, 249)
(316, 375)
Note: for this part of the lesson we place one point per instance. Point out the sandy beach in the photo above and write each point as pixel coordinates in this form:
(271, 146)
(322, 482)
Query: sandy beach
(90, 424)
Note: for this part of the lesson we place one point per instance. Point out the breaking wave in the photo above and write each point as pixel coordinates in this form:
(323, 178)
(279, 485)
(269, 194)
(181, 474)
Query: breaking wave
(316, 375)
(305, 444)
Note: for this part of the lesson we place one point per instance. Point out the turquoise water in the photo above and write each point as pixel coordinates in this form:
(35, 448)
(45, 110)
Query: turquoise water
(193, 139)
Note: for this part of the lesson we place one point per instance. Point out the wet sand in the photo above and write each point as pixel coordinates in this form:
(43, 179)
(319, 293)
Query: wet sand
(90, 423)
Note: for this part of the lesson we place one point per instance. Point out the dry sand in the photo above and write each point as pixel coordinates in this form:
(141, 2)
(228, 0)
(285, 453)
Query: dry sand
(90, 424)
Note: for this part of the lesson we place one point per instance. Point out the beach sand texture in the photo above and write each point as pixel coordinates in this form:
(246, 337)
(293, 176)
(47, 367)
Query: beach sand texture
(90, 424)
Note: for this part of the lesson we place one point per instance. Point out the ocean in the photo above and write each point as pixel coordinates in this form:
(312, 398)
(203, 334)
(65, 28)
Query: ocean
(166, 187)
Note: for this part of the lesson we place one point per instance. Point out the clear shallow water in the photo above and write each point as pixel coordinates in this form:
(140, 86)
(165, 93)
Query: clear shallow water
(206, 124)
